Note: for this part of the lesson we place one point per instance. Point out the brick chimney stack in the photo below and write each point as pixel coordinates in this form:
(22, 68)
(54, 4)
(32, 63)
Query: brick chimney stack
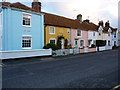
(101, 23)
(107, 24)
(79, 17)
(36, 5)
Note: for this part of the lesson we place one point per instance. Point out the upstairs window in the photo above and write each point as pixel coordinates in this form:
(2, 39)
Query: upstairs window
(51, 30)
(93, 33)
(26, 20)
(26, 42)
(78, 32)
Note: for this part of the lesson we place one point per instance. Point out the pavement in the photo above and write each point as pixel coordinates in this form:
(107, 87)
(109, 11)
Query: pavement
(92, 70)
(33, 60)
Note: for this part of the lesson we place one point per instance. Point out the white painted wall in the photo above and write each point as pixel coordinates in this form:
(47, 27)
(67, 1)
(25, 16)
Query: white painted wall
(106, 37)
(91, 37)
(22, 54)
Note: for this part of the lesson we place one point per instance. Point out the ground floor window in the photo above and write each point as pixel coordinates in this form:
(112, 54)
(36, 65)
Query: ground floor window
(52, 40)
(109, 43)
(68, 41)
(94, 42)
(89, 43)
(81, 43)
(114, 43)
(27, 42)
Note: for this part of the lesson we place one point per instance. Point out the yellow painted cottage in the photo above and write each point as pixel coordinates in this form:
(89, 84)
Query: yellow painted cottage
(56, 27)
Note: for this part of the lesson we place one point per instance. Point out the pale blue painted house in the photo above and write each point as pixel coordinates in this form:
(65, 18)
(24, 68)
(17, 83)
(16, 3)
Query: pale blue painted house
(22, 32)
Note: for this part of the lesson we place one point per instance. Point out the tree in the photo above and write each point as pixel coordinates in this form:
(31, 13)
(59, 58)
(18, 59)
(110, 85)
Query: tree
(100, 43)
(52, 46)
(59, 41)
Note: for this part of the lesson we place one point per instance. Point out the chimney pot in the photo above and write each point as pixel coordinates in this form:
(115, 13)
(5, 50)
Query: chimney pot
(79, 17)
(107, 24)
(36, 5)
(101, 23)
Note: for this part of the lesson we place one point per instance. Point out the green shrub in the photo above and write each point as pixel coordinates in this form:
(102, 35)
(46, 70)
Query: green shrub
(93, 46)
(52, 46)
(114, 47)
(100, 43)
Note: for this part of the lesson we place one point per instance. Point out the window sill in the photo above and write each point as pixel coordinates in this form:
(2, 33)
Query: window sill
(26, 48)
(52, 33)
(26, 26)
(81, 47)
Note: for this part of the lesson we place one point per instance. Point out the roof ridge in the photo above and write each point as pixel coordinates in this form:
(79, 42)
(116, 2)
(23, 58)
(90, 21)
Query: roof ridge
(59, 16)
(21, 4)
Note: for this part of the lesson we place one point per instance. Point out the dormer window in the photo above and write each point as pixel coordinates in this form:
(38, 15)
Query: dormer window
(26, 20)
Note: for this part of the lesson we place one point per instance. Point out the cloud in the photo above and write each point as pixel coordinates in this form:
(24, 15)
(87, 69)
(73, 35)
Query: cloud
(95, 9)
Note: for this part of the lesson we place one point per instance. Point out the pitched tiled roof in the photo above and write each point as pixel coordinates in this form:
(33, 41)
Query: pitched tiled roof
(93, 27)
(106, 29)
(55, 20)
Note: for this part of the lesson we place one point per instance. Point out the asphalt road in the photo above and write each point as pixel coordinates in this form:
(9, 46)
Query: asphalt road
(94, 70)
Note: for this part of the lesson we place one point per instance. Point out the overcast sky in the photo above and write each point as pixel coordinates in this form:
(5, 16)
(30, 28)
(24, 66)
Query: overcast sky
(95, 10)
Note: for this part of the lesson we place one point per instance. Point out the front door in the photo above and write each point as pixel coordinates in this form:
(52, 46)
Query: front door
(76, 43)
(62, 43)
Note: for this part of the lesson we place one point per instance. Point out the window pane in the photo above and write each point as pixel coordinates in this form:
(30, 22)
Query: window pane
(78, 32)
(52, 41)
(51, 30)
(26, 42)
(26, 19)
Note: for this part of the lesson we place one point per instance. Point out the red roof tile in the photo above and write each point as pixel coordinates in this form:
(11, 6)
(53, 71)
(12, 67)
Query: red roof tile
(19, 6)
(56, 20)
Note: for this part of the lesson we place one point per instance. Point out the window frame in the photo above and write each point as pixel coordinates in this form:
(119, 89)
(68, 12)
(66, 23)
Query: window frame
(109, 34)
(52, 39)
(83, 43)
(30, 39)
(109, 43)
(89, 43)
(115, 36)
(30, 20)
(94, 34)
(68, 31)
(80, 32)
(50, 30)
